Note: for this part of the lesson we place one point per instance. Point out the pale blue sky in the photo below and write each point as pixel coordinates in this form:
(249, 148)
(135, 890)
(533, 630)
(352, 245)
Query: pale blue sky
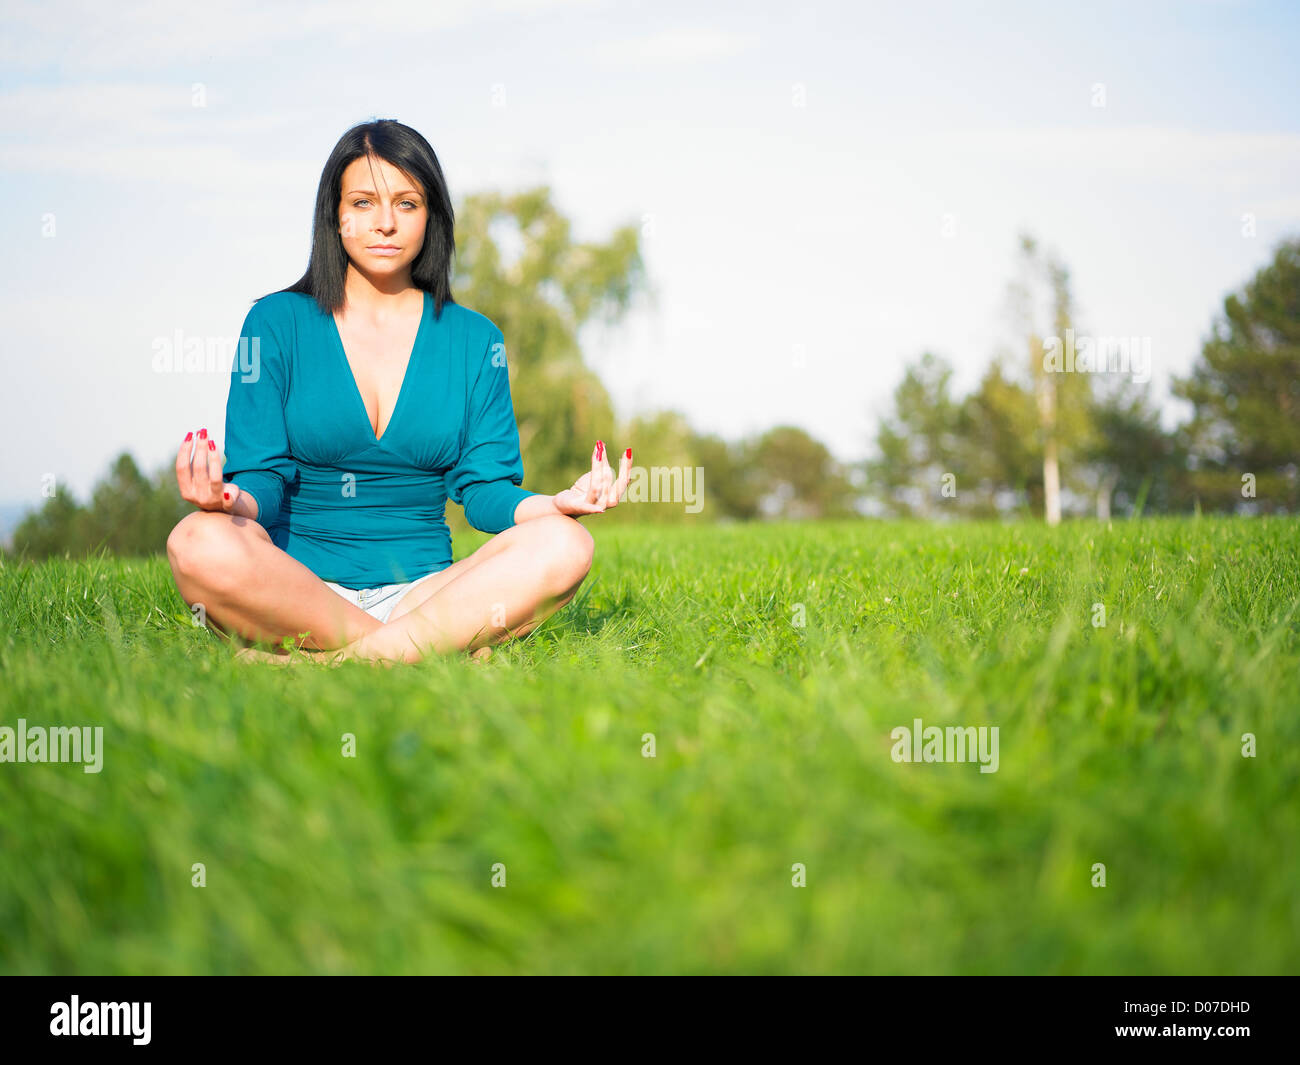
(778, 231)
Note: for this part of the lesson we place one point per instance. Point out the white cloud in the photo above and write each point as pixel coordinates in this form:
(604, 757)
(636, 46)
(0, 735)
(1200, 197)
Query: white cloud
(84, 36)
(1152, 153)
(672, 47)
(136, 131)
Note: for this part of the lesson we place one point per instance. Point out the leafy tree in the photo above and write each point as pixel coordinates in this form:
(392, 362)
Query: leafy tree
(128, 514)
(1003, 459)
(799, 478)
(1042, 307)
(1131, 456)
(732, 488)
(540, 300)
(663, 451)
(920, 442)
(1245, 393)
(731, 483)
(58, 527)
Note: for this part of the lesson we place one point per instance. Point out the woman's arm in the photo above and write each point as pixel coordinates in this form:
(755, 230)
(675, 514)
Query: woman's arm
(486, 477)
(257, 459)
(245, 505)
(535, 506)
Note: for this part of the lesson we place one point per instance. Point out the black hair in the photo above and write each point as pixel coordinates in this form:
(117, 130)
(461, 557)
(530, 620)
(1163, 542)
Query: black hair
(408, 151)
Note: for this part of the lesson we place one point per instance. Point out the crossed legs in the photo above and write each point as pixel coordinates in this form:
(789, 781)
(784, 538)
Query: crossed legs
(506, 588)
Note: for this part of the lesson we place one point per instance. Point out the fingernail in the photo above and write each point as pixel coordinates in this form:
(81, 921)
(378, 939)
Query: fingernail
(225, 495)
(628, 453)
(203, 433)
(189, 436)
(212, 446)
(600, 449)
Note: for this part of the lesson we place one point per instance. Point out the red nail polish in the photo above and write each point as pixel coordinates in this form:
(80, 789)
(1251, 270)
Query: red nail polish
(189, 436)
(225, 495)
(628, 453)
(203, 433)
(600, 449)
(212, 446)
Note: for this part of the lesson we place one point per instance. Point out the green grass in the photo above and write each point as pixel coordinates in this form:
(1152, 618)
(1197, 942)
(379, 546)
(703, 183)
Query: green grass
(1119, 745)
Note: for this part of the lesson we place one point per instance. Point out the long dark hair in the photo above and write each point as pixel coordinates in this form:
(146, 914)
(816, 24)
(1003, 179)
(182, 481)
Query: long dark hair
(408, 151)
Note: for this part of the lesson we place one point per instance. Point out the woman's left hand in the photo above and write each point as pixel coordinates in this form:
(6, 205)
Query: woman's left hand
(596, 491)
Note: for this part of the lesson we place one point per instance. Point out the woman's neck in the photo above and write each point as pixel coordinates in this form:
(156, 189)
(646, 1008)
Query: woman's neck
(377, 296)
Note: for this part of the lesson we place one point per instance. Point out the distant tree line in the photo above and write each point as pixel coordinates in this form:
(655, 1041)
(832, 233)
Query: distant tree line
(1034, 437)
(127, 514)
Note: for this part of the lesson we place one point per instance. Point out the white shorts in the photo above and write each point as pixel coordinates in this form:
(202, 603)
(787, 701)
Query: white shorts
(379, 602)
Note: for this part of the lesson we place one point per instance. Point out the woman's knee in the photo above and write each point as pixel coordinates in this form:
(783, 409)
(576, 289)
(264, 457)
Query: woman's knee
(206, 549)
(567, 549)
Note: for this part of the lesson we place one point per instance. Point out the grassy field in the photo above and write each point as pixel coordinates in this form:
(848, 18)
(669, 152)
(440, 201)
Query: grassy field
(770, 663)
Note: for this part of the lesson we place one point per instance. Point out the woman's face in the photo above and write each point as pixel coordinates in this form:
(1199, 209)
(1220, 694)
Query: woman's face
(381, 206)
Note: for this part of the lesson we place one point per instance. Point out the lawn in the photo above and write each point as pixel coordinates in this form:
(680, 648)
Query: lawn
(768, 665)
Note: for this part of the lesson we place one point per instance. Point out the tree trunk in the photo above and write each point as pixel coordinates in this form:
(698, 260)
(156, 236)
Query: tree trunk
(1104, 492)
(1051, 468)
(1051, 483)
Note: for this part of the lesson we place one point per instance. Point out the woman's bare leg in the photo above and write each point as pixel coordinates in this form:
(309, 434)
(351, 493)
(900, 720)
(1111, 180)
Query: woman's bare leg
(506, 588)
(249, 586)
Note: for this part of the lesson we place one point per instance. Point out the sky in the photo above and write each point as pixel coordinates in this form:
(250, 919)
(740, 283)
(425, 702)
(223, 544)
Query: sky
(824, 190)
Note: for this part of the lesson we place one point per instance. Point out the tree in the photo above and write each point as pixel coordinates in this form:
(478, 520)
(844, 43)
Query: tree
(798, 477)
(1132, 457)
(919, 445)
(540, 299)
(1042, 308)
(1245, 393)
(128, 514)
(665, 482)
(732, 487)
(58, 527)
(1003, 464)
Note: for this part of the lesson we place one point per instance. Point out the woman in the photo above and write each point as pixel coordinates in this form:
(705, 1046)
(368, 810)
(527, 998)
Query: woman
(370, 397)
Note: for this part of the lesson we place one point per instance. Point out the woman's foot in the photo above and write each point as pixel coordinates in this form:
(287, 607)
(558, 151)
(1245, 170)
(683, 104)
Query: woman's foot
(253, 654)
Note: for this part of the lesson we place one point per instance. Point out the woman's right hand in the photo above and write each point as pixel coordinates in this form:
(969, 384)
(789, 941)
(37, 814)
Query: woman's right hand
(200, 480)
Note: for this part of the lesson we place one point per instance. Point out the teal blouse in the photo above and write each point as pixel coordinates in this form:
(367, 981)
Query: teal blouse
(354, 509)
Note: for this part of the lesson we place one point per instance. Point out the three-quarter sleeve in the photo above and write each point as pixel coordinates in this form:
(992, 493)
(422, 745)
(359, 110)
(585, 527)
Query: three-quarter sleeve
(486, 477)
(257, 442)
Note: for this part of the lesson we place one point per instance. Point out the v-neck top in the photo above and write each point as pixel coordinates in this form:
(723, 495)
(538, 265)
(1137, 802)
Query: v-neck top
(356, 510)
